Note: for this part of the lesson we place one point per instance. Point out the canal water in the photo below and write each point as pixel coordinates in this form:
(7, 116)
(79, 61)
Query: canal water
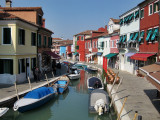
(72, 105)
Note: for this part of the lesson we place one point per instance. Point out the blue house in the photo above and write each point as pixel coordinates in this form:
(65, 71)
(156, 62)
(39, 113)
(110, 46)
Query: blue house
(62, 51)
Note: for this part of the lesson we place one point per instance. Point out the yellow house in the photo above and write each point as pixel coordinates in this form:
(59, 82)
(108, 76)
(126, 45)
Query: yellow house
(18, 48)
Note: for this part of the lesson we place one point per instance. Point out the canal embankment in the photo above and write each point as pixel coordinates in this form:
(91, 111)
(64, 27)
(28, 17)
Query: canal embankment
(8, 92)
(141, 96)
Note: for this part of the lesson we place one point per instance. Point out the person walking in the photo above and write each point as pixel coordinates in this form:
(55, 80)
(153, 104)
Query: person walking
(34, 73)
(59, 68)
(37, 72)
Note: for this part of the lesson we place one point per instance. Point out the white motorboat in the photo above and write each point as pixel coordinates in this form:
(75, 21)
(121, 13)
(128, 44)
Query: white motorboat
(75, 75)
(3, 111)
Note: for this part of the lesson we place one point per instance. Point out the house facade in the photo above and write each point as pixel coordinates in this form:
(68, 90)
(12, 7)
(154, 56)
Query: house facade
(35, 15)
(18, 50)
(128, 44)
(149, 37)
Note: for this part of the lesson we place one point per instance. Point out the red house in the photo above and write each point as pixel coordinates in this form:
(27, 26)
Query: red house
(91, 45)
(149, 33)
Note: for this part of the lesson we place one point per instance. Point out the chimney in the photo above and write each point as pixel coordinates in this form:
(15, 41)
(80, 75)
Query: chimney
(8, 3)
(106, 28)
(43, 22)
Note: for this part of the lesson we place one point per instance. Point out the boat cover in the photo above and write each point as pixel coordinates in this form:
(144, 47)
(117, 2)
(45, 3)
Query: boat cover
(39, 92)
(93, 80)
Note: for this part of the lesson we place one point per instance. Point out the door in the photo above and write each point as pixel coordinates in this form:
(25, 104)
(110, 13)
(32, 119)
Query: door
(27, 67)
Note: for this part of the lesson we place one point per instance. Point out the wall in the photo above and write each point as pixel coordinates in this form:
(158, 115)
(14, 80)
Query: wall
(114, 49)
(63, 50)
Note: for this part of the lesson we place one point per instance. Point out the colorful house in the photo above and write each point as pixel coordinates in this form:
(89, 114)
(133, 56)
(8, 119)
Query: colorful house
(149, 37)
(56, 45)
(18, 50)
(35, 15)
(129, 40)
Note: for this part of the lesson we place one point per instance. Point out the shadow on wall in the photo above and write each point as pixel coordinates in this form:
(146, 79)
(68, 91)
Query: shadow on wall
(152, 94)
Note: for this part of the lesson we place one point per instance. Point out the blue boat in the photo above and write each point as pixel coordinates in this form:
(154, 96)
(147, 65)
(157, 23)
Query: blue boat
(34, 99)
(62, 84)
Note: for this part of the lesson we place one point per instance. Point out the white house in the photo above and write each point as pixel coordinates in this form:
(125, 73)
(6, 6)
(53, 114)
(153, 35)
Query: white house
(129, 35)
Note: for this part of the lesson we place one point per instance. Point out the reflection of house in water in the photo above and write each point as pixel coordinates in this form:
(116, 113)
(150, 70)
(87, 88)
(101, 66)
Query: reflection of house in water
(82, 86)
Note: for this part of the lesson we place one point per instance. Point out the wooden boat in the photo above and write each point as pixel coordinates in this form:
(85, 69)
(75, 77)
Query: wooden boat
(34, 99)
(95, 83)
(62, 84)
(3, 111)
(98, 101)
(75, 75)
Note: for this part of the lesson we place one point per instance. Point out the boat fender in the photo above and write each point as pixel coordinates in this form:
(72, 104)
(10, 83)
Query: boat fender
(15, 108)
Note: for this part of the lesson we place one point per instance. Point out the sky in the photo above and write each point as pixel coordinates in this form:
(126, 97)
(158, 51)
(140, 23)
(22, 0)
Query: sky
(69, 17)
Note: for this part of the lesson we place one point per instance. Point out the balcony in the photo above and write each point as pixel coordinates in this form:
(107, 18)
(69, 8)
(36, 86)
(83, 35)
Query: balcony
(122, 45)
(133, 45)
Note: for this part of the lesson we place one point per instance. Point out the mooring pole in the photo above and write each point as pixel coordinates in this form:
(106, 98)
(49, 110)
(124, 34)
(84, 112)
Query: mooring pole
(29, 83)
(47, 79)
(16, 90)
(119, 115)
(135, 115)
(116, 92)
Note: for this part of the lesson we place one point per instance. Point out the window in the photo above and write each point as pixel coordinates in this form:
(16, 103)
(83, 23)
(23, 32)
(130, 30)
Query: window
(131, 17)
(49, 41)
(142, 13)
(94, 44)
(21, 65)
(148, 38)
(141, 38)
(112, 43)
(39, 40)
(45, 41)
(150, 9)
(77, 37)
(77, 47)
(154, 36)
(33, 63)
(39, 19)
(33, 39)
(88, 44)
(6, 35)
(21, 36)
(81, 37)
(136, 14)
(121, 22)
(156, 6)
(6, 66)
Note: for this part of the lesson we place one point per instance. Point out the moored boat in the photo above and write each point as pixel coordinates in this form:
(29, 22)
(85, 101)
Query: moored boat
(34, 99)
(3, 111)
(91, 69)
(98, 101)
(74, 75)
(62, 84)
(94, 83)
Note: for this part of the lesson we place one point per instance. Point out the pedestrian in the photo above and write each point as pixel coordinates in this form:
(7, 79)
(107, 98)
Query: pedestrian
(54, 67)
(37, 73)
(34, 75)
(59, 68)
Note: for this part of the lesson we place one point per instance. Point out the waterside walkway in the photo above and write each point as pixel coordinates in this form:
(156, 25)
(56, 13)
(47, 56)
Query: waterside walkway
(8, 93)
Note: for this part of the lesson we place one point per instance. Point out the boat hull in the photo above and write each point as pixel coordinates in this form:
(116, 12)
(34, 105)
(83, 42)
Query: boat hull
(74, 76)
(91, 81)
(36, 104)
(3, 111)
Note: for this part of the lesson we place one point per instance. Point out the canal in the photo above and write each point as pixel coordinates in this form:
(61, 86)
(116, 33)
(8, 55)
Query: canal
(72, 105)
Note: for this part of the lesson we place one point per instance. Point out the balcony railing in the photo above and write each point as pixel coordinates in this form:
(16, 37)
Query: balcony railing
(122, 45)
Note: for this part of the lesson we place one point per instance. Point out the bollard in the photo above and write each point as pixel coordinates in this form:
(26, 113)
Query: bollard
(119, 115)
(29, 83)
(135, 115)
(139, 117)
(16, 90)
(47, 79)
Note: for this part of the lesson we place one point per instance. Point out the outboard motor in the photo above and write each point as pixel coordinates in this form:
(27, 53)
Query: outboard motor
(100, 106)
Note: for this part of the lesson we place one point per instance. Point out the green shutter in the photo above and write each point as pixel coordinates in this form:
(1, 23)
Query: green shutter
(135, 37)
(131, 36)
(131, 16)
(124, 38)
(154, 34)
(148, 35)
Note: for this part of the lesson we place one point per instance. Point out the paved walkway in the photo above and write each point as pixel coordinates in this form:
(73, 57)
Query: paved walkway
(8, 92)
(141, 97)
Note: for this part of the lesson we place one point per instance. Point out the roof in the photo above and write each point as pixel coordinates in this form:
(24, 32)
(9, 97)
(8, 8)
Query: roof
(115, 20)
(57, 39)
(65, 42)
(22, 9)
(87, 32)
(8, 16)
(46, 29)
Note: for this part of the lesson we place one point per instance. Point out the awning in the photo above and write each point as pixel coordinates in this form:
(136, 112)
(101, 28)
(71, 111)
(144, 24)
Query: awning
(141, 35)
(141, 56)
(121, 39)
(54, 55)
(89, 55)
(129, 54)
(154, 34)
(149, 34)
(131, 36)
(99, 53)
(136, 13)
(110, 55)
(124, 38)
(75, 53)
(135, 37)
(131, 16)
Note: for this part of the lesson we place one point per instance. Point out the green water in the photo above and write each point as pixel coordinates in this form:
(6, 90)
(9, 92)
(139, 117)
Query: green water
(72, 105)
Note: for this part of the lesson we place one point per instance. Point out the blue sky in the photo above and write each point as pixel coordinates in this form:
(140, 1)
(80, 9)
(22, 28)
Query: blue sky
(69, 17)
